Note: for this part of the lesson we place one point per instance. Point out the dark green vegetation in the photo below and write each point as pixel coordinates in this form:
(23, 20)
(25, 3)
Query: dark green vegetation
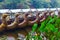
(14, 4)
(50, 28)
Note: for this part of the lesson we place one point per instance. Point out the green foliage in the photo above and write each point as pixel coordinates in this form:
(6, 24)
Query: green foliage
(34, 27)
(48, 29)
(57, 22)
(33, 34)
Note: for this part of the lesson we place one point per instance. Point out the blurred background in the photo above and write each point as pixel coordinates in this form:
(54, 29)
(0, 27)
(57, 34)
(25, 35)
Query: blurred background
(23, 4)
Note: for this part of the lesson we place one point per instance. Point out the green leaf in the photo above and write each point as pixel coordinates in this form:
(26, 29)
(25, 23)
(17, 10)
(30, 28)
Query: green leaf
(56, 30)
(53, 37)
(52, 19)
(42, 26)
(39, 38)
(44, 23)
(57, 20)
(34, 27)
(58, 34)
(50, 27)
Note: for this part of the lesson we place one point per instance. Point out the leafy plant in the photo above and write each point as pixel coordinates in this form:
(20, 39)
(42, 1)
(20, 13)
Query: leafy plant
(33, 34)
(49, 28)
